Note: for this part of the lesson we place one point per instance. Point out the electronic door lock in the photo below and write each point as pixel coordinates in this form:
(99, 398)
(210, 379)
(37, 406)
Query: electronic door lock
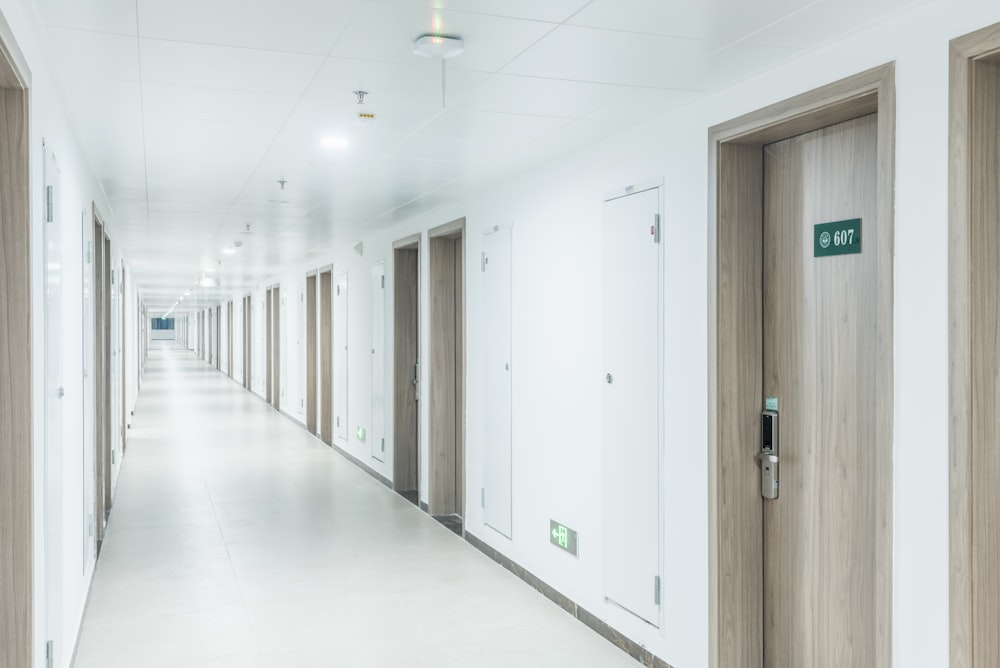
(767, 458)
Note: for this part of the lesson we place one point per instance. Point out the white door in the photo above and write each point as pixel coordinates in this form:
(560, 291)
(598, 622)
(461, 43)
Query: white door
(632, 406)
(377, 436)
(340, 423)
(54, 455)
(496, 267)
(87, 400)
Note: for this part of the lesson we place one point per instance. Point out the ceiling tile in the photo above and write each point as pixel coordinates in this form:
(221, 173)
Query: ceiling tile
(823, 20)
(96, 55)
(607, 56)
(109, 16)
(555, 11)
(226, 68)
(539, 97)
(716, 21)
(386, 32)
(476, 137)
(212, 104)
(300, 26)
(633, 104)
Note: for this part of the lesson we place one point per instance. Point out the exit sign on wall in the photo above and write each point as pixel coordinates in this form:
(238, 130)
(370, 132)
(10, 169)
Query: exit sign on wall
(563, 537)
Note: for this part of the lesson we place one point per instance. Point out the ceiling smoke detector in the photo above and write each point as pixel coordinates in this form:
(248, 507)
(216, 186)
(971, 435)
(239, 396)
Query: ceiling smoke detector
(438, 46)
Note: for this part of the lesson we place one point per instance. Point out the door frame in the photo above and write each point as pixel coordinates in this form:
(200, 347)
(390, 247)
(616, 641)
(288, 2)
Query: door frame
(311, 350)
(446, 409)
(17, 577)
(735, 373)
(405, 461)
(325, 413)
(966, 54)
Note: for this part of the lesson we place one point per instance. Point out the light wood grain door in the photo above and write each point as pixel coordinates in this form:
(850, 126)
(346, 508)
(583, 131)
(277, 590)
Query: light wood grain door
(447, 375)
(276, 348)
(820, 356)
(311, 353)
(406, 361)
(326, 356)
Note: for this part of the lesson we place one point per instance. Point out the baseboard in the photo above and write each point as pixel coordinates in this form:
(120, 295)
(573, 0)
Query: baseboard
(599, 626)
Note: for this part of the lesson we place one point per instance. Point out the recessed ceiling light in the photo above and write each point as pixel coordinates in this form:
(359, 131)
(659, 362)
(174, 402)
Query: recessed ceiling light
(228, 251)
(438, 46)
(334, 142)
(207, 282)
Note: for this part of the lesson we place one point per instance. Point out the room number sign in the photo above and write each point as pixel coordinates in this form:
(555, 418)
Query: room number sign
(840, 238)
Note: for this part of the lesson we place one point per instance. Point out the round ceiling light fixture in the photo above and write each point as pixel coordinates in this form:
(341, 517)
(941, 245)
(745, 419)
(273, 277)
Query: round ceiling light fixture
(438, 46)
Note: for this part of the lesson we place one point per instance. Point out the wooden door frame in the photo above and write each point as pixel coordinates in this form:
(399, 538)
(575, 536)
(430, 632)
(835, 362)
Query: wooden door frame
(403, 367)
(966, 55)
(276, 347)
(16, 404)
(268, 368)
(735, 377)
(440, 413)
(325, 413)
(229, 338)
(311, 349)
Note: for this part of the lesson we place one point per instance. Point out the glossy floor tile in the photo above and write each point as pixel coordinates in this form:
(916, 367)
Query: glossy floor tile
(237, 540)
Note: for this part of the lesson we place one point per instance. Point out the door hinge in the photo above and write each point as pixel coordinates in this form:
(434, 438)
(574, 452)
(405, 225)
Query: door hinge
(49, 208)
(482, 497)
(482, 261)
(383, 281)
(338, 420)
(112, 456)
(50, 654)
(656, 590)
(656, 229)
(383, 445)
(338, 290)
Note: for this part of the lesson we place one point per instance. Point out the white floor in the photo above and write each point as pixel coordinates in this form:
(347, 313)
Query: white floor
(238, 540)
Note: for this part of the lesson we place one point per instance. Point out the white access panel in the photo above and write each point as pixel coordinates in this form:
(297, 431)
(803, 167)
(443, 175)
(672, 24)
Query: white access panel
(87, 299)
(340, 357)
(55, 457)
(632, 406)
(495, 264)
(377, 435)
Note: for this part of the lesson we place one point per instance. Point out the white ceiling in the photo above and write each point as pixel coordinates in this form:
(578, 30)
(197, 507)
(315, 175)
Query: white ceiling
(192, 110)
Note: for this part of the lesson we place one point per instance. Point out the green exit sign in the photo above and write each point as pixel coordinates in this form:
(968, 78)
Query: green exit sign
(840, 238)
(563, 537)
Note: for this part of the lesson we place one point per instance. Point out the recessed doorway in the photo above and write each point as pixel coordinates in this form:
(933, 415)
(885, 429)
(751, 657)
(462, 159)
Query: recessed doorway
(801, 228)
(446, 374)
(974, 292)
(406, 368)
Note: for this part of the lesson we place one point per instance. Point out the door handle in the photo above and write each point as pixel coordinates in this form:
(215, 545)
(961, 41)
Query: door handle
(767, 458)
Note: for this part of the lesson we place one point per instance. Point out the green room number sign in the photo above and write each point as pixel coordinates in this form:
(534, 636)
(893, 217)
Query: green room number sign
(840, 238)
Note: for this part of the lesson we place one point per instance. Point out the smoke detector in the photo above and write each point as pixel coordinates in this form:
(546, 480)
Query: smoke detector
(438, 46)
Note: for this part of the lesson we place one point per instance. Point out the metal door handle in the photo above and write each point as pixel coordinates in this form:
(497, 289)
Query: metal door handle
(609, 378)
(768, 475)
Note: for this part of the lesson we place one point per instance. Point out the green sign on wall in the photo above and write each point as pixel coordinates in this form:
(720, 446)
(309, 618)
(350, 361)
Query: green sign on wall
(840, 238)
(563, 537)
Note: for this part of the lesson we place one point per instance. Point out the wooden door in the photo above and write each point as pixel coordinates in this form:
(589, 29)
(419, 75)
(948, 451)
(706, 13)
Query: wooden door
(974, 342)
(311, 354)
(326, 355)
(447, 373)
(276, 348)
(819, 361)
(406, 364)
(268, 343)
(229, 339)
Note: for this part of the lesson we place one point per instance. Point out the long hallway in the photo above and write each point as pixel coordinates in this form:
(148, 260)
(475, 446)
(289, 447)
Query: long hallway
(238, 540)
